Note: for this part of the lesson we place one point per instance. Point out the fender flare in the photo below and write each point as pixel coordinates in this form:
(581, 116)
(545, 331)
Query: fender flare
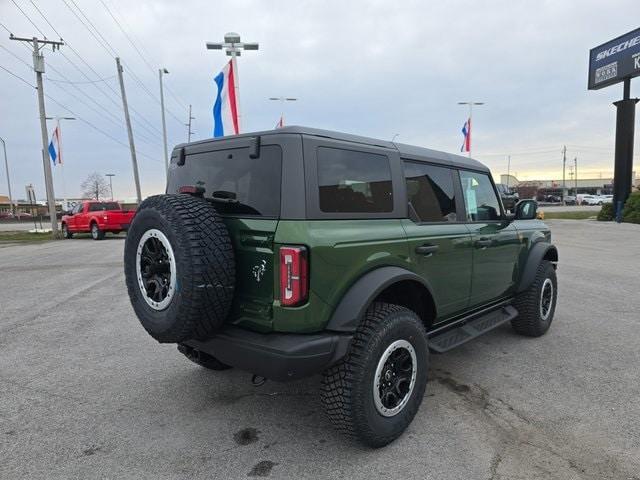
(537, 253)
(351, 308)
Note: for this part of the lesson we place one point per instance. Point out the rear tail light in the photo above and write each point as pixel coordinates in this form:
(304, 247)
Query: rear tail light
(294, 279)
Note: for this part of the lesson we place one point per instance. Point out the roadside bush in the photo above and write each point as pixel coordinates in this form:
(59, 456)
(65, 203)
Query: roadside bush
(606, 213)
(631, 211)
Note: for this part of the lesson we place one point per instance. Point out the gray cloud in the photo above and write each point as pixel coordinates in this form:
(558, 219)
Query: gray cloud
(372, 68)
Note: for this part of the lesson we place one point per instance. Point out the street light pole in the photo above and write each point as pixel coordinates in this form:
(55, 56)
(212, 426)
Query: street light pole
(470, 104)
(110, 175)
(6, 167)
(164, 123)
(282, 100)
(233, 48)
(188, 125)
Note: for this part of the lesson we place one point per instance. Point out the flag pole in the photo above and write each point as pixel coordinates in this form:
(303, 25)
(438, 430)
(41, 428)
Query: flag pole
(236, 81)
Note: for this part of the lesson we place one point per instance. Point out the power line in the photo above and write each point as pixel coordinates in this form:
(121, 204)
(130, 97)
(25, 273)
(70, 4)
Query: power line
(98, 129)
(29, 18)
(16, 57)
(100, 80)
(17, 76)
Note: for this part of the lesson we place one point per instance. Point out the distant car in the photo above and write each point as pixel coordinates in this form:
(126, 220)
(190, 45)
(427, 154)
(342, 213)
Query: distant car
(606, 198)
(590, 200)
(570, 200)
(508, 196)
(96, 218)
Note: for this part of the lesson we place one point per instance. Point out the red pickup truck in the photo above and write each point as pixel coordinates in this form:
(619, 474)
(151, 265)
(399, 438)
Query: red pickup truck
(96, 218)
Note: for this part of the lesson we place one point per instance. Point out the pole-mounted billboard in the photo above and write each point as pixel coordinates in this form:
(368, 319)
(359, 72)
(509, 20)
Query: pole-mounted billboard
(615, 60)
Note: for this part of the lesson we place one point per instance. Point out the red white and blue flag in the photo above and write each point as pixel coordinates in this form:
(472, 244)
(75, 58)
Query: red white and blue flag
(55, 146)
(225, 109)
(466, 131)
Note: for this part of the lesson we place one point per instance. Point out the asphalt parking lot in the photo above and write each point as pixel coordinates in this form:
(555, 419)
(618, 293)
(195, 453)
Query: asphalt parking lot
(86, 393)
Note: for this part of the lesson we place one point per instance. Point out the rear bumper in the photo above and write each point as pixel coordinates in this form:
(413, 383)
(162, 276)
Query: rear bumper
(277, 356)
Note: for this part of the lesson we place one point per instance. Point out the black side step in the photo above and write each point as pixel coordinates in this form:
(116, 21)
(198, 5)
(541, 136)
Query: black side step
(442, 342)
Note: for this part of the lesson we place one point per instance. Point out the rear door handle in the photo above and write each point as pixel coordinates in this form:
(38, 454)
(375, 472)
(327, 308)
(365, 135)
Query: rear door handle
(483, 243)
(427, 249)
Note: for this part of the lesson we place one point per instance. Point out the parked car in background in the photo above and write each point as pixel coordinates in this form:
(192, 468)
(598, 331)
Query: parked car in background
(570, 200)
(508, 196)
(589, 200)
(606, 198)
(96, 218)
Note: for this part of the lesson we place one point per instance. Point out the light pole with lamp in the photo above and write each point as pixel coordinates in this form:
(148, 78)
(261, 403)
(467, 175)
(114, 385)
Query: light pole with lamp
(6, 167)
(110, 175)
(164, 123)
(233, 48)
(470, 104)
(282, 100)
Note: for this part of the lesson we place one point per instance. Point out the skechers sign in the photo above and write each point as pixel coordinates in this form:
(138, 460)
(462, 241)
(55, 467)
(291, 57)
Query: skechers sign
(615, 60)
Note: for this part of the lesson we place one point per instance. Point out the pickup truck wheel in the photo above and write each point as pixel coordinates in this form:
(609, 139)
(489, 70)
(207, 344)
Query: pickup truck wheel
(179, 268)
(536, 305)
(203, 359)
(96, 233)
(65, 232)
(374, 393)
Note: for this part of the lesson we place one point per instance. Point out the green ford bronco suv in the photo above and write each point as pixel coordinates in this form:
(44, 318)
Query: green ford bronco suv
(297, 251)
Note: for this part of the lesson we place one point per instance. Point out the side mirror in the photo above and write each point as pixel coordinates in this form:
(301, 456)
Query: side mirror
(526, 210)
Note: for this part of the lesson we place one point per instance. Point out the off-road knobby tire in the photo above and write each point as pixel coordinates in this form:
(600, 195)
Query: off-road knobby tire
(205, 267)
(529, 322)
(99, 233)
(203, 359)
(347, 388)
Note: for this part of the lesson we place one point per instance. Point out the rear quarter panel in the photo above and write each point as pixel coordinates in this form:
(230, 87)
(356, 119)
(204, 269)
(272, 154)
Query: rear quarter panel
(340, 252)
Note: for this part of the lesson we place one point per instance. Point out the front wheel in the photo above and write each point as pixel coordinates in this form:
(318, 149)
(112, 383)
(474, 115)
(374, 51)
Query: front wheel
(374, 393)
(65, 232)
(537, 304)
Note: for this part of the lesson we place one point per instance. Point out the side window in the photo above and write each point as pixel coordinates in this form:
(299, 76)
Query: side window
(430, 192)
(479, 197)
(94, 207)
(352, 181)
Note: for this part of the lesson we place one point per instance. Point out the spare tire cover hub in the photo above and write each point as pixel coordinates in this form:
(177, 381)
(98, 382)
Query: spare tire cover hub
(156, 269)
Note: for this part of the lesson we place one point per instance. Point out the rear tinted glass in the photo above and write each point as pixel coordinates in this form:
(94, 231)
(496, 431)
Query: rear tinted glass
(352, 181)
(235, 183)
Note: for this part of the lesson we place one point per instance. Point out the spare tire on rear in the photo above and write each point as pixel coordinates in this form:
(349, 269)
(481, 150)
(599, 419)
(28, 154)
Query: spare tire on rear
(179, 268)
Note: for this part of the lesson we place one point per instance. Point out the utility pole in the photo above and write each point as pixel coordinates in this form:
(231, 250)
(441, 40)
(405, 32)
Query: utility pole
(233, 47)
(564, 167)
(188, 125)
(470, 104)
(38, 67)
(575, 170)
(110, 175)
(164, 123)
(6, 167)
(127, 120)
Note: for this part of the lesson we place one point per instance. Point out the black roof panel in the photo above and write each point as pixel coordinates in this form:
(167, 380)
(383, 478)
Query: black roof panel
(406, 151)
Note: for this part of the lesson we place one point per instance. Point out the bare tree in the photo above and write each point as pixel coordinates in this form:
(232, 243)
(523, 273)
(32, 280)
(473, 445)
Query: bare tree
(95, 187)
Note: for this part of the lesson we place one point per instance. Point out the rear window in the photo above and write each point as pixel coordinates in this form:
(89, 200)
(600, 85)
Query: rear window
(98, 207)
(235, 183)
(352, 181)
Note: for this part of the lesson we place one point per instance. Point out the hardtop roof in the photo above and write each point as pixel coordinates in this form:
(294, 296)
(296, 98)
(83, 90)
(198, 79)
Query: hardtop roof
(405, 151)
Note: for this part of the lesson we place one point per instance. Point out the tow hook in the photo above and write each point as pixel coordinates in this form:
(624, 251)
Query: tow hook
(257, 380)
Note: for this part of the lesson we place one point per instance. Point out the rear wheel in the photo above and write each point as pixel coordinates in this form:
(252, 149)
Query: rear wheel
(374, 393)
(96, 233)
(537, 305)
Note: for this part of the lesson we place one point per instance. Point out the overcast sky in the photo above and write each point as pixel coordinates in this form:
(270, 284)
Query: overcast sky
(373, 68)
